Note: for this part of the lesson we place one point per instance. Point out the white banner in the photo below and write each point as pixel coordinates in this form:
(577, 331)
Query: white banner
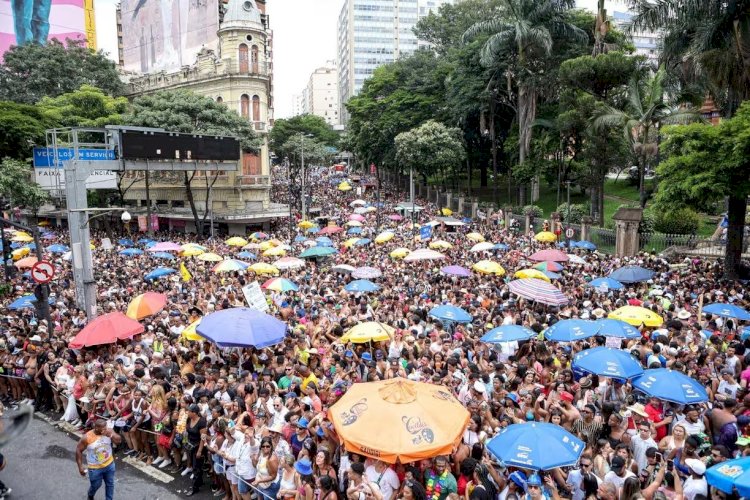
(255, 297)
(53, 179)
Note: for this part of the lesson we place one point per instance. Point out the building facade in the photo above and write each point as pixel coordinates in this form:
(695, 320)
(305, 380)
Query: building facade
(239, 74)
(372, 33)
(321, 96)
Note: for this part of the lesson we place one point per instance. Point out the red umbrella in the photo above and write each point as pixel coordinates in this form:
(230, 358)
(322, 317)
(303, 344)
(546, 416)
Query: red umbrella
(549, 254)
(107, 329)
(330, 230)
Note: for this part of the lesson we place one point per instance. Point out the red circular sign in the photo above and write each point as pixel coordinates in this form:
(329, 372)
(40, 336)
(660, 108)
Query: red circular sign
(43, 272)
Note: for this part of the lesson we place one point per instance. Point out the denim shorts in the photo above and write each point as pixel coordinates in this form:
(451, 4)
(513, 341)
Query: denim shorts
(243, 485)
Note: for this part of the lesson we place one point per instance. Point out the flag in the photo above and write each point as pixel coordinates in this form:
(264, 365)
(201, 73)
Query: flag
(186, 276)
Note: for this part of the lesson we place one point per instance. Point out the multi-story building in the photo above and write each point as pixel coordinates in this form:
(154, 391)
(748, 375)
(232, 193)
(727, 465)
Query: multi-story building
(233, 68)
(322, 94)
(372, 33)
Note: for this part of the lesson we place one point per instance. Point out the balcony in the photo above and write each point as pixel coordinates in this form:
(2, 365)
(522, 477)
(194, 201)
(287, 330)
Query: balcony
(261, 181)
(260, 126)
(249, 68)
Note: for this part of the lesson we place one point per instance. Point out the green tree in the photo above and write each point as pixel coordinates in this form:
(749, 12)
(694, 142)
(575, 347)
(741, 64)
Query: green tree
(21, 127)
(17, 186)
(285, 128)
(430, 149)
(85, 107)
(31, 72)
(705, 164)
(183, 111)
(644, 112)
(525, 31)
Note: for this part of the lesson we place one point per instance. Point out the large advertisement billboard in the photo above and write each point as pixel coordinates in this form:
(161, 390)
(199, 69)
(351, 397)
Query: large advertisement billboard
(36, 21)
(165, 35)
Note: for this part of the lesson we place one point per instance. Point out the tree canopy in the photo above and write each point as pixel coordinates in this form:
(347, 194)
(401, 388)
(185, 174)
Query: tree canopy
(84, 107)
(31, 72)
(432, 148)
(307, 124)
(21, 127)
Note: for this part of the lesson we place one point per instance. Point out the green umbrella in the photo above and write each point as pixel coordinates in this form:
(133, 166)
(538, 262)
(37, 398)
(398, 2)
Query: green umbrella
(313, 252)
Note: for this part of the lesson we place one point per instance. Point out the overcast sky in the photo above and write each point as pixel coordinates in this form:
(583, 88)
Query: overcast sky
(304, 38)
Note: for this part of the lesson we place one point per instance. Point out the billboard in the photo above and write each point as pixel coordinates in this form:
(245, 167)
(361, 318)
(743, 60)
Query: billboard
(165, 35)
(36, 21)
(52, 177)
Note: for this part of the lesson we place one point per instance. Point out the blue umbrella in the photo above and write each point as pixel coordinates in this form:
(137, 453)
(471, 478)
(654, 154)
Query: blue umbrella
(570, 330)
(324, 241)
(730, 475)
(354, 230)
(299, 238)
(131, 251)
(126, 242)
(466, 220)
(551, 275)
(25, 301)
(745, 333)
(362, 242)
(242, 327)
(149, 244)
(312, 230)
(631, 274)
(670, 385)
(450, 313)
(501, 246)
(586, 245)
(159, 272)
(607, 362)
(361, 286)
(144, 241)
(608, 282)
(727, 311)
(163, 255)
(564, 244)
(58, 248)
(15, 245)
(536, 446)
(617, 328)
(247, 255)
(30, 246)
(507, 333)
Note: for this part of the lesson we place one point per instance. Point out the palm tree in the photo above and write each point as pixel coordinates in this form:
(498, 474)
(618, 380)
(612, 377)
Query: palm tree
(525, 31)
(645, 111)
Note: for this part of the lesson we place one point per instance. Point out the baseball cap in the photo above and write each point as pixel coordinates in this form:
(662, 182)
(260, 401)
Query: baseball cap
(618, 463)
(696, 466)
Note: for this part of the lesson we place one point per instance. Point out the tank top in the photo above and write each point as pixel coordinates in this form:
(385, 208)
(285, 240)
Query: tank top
(138, 411)
(263, 471)
(98, 450)
(287, 484)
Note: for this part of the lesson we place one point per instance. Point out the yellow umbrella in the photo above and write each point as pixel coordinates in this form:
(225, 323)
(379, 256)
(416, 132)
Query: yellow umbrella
(354, 223)
(305, 224)
(91, 246)
(20, 252)
(21, 237)
(371, 209)
(446, 211)
(371, 331)
(384, 237)
(210, 257)
(44, 223)
(263, 268)
(192, 252)
(275, 242)
(350, 242)
(546, 237)
(265, 246)
(251, 246)
(532, 273)
(274, 252)
(190, 333)
(236, 241)
(440, 244)
(488, 267)
(475, 237)
(345, 186)
(637, 316)
(400, 253)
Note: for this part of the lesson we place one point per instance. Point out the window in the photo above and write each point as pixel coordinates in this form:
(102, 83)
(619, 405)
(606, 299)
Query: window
(256, 108)
(219, 100)
(244, 66)
(254, 58)
(245, 106)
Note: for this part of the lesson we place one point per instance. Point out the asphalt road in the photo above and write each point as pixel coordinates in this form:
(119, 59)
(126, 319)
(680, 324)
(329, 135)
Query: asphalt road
(41, 464)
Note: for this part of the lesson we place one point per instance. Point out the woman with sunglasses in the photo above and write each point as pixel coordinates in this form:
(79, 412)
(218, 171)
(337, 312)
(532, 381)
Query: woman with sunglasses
(267, 466)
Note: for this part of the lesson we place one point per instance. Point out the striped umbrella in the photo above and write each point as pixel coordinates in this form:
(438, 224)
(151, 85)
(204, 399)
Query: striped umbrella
(280, 285)
(538, 291)
(230, 265)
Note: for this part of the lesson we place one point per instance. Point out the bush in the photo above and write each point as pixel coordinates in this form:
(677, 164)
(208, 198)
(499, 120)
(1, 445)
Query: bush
(577, 212)
(533, 210)
(679, 221)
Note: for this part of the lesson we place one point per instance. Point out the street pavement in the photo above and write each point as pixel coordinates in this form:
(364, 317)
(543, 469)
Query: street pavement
(41, 464)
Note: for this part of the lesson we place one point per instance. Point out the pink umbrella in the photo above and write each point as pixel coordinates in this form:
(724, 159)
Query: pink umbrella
(331, 230)
(356, 217)
(395, 217)
(549, 254)
(165, 246)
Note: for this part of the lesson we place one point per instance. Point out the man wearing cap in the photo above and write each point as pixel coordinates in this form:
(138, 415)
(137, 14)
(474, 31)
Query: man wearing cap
(695, 484)
(618, 472)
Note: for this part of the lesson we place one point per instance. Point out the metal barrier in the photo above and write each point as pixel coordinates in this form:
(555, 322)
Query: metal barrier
(686, 244)
(604, 239)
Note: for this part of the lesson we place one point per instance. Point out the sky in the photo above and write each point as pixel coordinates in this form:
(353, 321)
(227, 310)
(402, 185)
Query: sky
(304, 38)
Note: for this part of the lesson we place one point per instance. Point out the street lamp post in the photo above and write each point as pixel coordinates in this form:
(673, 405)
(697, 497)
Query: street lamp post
(304, 200)
(567, 217)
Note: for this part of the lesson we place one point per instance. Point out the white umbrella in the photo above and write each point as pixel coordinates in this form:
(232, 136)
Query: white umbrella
(343, 268)
(360, 210)
(575, 259)
(357, 203)
(423, 254)
(289, 263)
(483, 246)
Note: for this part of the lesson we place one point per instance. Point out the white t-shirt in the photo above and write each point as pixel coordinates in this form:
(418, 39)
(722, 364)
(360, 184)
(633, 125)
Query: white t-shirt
(729, 389)
(639, 447)
(692, 428)
(575, 481)
(387, 481)
(611, 477)
(693, 487)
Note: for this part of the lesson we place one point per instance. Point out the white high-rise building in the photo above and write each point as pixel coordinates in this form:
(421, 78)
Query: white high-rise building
(323, 93)
(372, 33)
(646, 43)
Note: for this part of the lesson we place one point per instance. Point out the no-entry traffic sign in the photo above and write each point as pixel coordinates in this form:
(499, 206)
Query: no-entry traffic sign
(569, 233)
(43, 272)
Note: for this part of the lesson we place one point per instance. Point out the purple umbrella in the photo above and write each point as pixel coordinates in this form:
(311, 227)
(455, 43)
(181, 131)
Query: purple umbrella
(538, 291)
(456, 271)
(165, 246)
(367, 273)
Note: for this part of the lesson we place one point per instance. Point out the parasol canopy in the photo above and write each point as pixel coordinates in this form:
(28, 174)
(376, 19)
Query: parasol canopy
(242, 327)
(637, 316)
(538, 291)
(146, 304)
(370, 331)
(106, 329)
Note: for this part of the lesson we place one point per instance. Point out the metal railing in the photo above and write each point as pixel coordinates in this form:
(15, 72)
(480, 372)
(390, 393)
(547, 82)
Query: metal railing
(254, 180)
(686, 244)
(604, 239)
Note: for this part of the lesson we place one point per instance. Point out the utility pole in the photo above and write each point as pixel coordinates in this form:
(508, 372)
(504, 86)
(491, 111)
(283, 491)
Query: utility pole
(567, 217)
(303, 177)
(411, 197)
(148, 204)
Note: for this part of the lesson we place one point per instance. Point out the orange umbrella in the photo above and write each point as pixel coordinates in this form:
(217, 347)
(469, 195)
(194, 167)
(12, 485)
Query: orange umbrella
(26, 262)
(146, 304)
(398, 420)
(106, 329)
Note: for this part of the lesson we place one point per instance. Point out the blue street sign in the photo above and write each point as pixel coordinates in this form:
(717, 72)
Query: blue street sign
(45, 157)
(425, 232)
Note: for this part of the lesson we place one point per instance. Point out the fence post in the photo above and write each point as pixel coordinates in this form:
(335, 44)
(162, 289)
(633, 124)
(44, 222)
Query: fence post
(461, 205)
(527, 224)
(626, 231)
(508, 217)
(474, 209)
(585, 227)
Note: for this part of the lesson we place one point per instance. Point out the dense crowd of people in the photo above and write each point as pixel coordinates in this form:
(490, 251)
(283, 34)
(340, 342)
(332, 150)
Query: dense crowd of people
(255, 423)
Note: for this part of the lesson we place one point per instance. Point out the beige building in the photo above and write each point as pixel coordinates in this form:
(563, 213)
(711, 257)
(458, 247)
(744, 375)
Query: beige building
(321, 97)
(239, 74)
